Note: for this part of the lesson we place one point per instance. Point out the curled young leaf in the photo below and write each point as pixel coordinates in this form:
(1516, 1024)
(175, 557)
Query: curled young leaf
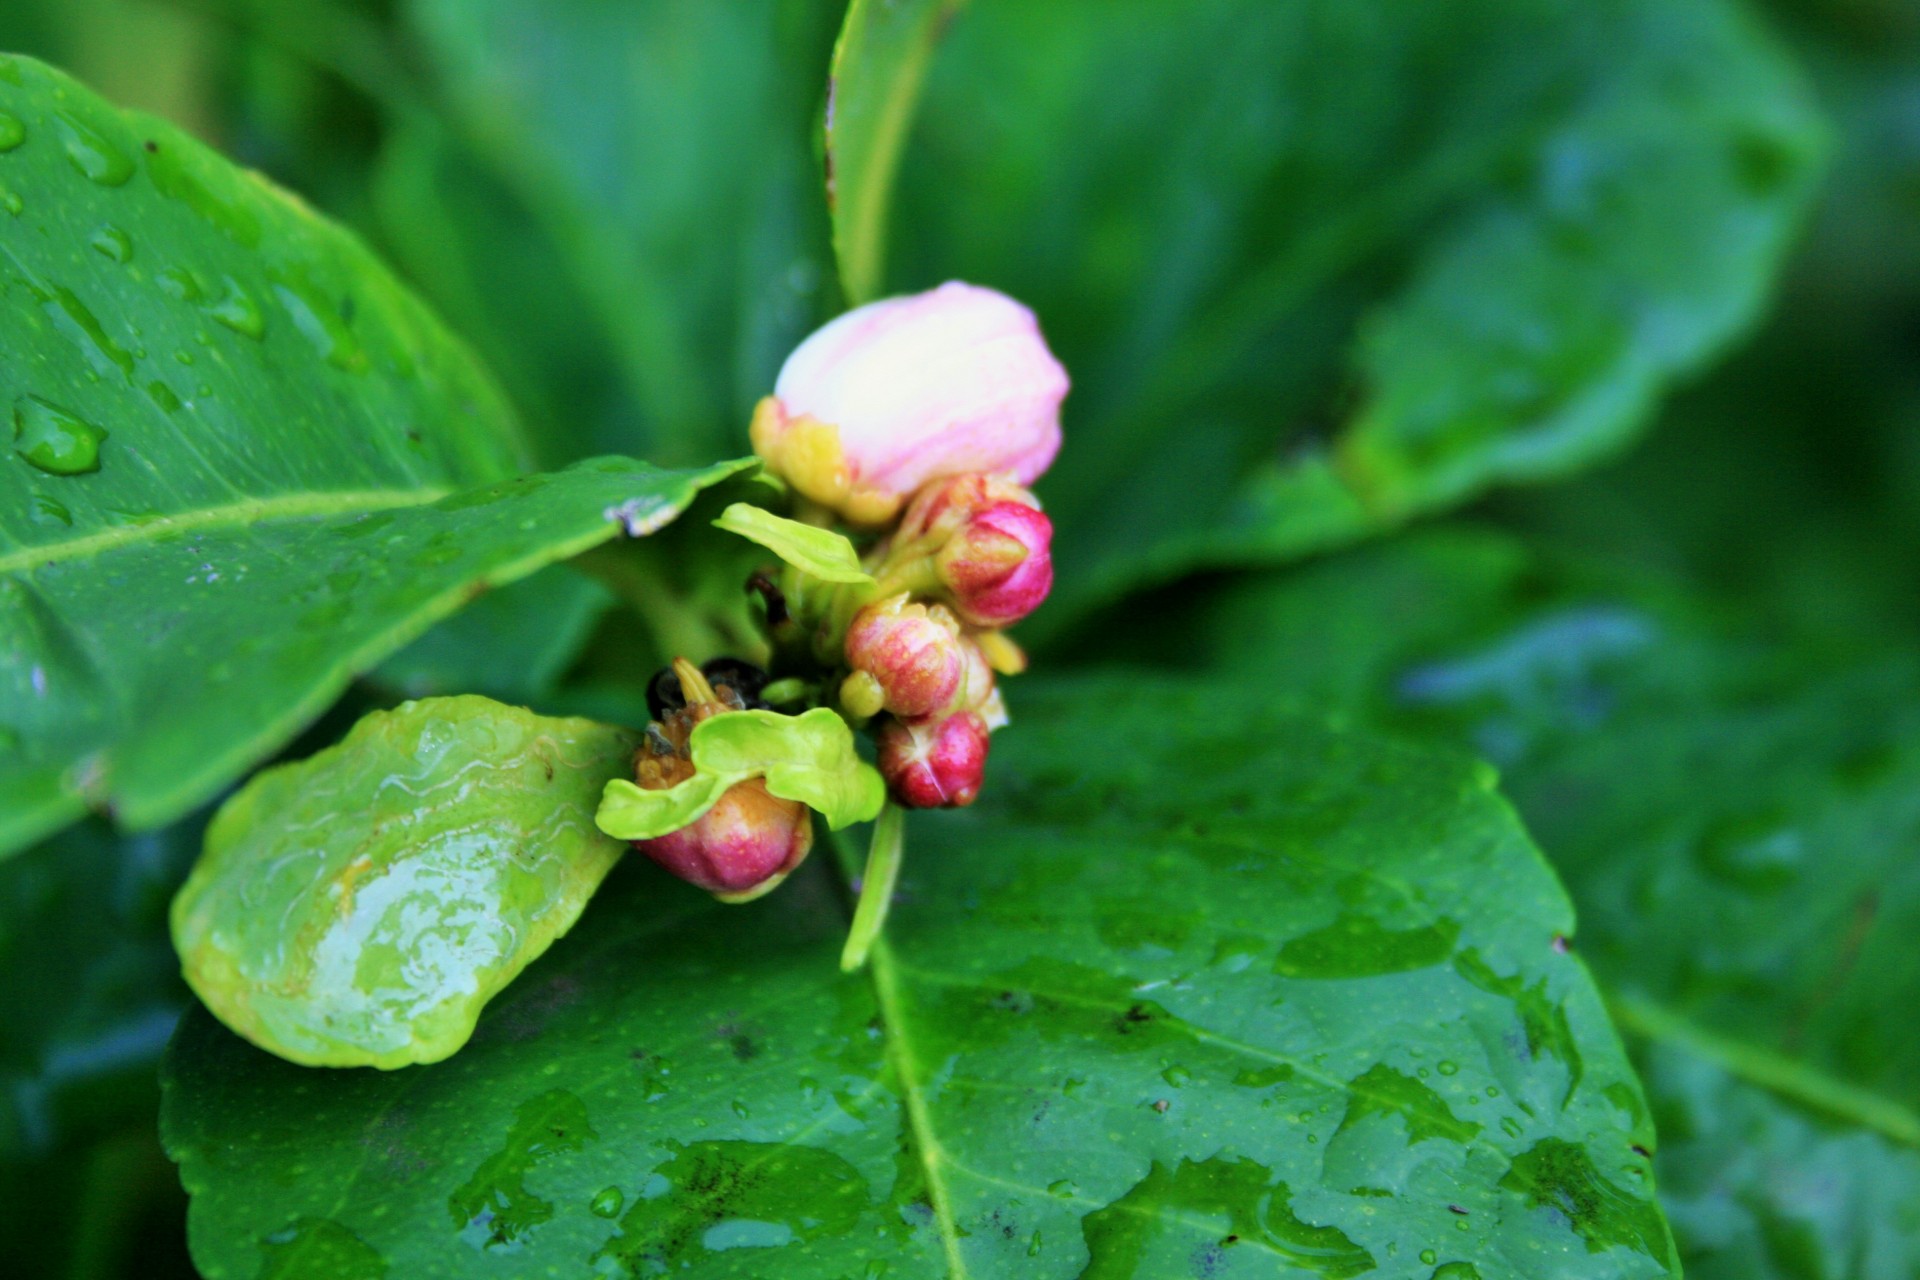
(823, 553)
(360, 907)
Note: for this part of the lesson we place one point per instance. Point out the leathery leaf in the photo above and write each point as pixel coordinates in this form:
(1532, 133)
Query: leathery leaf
(1197, 987)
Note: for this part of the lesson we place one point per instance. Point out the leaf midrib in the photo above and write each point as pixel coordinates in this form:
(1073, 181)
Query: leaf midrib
(241, 514)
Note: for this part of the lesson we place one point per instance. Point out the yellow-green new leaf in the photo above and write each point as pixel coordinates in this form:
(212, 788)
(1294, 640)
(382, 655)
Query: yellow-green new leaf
(823, 553)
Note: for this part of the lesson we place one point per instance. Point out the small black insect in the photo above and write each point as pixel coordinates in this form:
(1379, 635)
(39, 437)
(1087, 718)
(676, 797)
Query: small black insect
(728, 676)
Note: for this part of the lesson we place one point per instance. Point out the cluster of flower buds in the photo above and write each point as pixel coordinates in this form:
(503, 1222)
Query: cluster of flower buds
(917, 423)
(971, 555)
(929, 414)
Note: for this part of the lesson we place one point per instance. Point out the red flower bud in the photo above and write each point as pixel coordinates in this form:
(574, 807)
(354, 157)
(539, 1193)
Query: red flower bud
(934, 763)
(915, 656)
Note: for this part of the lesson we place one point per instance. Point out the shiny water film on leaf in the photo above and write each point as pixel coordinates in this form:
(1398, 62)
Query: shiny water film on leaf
(1087, 1045)
(360, 907)
(1735, 818)
(227, 439)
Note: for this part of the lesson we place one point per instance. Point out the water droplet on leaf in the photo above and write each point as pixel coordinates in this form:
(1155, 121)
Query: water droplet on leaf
(607, 1203)
(114, 243)
(46, 510)
(12, 132)
(178, 283)
(54, 440)
(92, 153)
(238, 311)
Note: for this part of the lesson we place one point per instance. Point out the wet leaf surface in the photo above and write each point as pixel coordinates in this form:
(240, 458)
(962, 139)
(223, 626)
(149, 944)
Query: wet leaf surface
(1736, 814)
(1088, 1047)
(244, 463)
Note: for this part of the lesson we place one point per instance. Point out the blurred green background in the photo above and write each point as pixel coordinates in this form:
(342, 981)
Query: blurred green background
(619, 205)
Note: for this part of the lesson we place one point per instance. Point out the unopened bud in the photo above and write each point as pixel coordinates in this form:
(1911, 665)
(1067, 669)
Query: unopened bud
(934, 762)
(913, 654)
(979, 542)
(742, 847)
(999, 566)
(897, 393)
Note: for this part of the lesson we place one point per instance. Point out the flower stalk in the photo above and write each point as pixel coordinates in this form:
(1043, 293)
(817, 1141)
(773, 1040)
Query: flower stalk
(877, 886)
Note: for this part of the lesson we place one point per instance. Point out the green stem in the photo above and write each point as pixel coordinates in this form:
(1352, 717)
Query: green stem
(876, 887)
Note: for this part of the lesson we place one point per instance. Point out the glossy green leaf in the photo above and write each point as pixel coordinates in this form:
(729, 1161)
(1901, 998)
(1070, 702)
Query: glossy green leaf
(1195, 983)
(290, 468)
(1737, 821)
(147, 665)
(360, 907)
(809, 758)
(823, 553)
(1317, 267)
(879, 65)
(667, 149)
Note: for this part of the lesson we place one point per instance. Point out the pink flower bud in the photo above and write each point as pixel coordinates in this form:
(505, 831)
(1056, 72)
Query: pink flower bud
(915, 656)
(747, 842)
(999, 566)
(899, 392)
(988, 546)
(934, 762)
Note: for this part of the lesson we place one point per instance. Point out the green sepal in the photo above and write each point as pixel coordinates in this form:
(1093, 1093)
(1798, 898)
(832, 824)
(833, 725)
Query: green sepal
(822, 553)
(630, 812)
(808, 757)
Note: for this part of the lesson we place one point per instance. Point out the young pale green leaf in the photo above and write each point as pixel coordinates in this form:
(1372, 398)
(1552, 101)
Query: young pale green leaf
(823, 553)
(290, 468)
(879, 65)
(1365, 262)
(809, 757)
(1705, 795)
(630, 812)
(1195, 984)
(360, 907)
